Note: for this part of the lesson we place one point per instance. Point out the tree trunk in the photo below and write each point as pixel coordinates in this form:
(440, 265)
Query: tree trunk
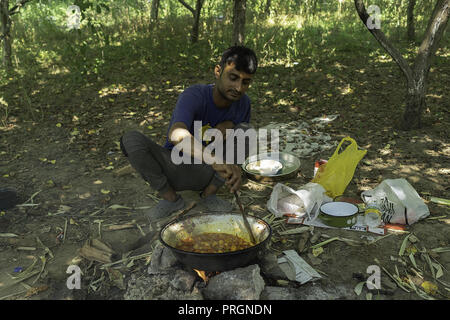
(239, 22)
(195, 27)
(196, 13)
(415, 103)
(410, 20)
(267, 8)
(416, 77)
(154, 11)
(6, 32)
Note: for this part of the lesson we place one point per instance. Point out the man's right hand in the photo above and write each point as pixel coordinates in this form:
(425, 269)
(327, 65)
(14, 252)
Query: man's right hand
(231, 173)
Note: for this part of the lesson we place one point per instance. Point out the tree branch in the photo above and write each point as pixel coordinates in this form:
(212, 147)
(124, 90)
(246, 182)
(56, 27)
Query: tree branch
(17, 6)
(381, 38)
(433, 34)
(187, 6)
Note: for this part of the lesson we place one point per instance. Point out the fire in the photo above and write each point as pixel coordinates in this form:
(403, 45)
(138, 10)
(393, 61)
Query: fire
(202, 274)
(205, 276)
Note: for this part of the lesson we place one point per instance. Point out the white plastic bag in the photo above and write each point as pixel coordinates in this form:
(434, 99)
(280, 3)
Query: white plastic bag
(285, 200)
(397, 201)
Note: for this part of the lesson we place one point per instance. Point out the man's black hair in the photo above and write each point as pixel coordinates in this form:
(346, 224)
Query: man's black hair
(244, 59)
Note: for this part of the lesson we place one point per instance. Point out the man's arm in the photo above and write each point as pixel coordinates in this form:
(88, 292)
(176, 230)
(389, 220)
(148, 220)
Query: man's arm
(178, 132)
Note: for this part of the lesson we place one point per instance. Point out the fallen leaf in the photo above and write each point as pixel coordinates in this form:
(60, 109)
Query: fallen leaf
(35, 290)
(317, 251)
(359, 287)
(104, 191)
(64, 208)
(429, 287)
(84, 195)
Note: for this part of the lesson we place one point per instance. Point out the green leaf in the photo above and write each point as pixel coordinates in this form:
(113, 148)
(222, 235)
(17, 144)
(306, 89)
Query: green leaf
(403, 246)
(359, 287)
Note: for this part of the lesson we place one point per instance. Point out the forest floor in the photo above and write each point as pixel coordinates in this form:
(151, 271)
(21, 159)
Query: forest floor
(64, 162)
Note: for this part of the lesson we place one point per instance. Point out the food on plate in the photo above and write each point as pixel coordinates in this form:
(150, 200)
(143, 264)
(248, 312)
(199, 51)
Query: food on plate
(265, 166)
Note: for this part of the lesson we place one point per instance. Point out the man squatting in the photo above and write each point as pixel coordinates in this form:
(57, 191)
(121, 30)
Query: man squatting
(222, 105)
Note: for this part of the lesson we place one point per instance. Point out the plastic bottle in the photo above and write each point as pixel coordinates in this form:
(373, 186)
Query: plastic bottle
(372, 215)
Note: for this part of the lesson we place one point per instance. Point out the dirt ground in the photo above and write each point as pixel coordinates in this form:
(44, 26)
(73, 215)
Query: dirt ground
(64, 166)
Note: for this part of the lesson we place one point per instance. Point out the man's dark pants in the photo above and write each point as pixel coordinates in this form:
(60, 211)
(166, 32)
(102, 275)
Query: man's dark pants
(154, 164)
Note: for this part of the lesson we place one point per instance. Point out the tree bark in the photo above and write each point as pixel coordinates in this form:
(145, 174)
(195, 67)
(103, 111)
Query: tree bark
(6, 32)
(410, 20)
(267, 8)
(416, 76)
(154, 11)
(196, 13)
(239, 22)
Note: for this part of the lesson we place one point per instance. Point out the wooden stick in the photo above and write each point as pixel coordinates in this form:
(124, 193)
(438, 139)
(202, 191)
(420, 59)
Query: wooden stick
(126, 259)
(65, 230)
(96, 243)
(121, 227)
(95, 254)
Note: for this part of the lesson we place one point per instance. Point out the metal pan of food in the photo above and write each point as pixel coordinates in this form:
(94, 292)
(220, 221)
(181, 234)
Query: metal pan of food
(271, 167)
(215, 242)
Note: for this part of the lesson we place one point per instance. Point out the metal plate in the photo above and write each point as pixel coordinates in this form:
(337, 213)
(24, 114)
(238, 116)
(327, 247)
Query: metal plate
(291, 165)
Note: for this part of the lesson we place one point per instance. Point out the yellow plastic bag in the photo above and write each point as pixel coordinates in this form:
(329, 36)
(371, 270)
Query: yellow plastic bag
(336, 174)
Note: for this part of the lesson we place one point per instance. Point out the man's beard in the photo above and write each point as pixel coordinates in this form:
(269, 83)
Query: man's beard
(223, 94)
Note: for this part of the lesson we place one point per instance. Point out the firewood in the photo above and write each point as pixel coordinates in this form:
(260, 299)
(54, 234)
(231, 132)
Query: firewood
(95, 254)
(96, 243)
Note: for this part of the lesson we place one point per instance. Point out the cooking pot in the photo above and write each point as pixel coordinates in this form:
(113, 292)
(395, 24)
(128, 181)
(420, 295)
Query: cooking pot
(230, 223)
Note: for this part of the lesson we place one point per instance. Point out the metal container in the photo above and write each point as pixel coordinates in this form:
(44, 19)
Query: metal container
(230, 223)
(291, 166)
(338, 214)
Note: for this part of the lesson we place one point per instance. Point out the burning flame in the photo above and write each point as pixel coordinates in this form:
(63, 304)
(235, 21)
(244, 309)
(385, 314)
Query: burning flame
(205, 276)
(202, 274)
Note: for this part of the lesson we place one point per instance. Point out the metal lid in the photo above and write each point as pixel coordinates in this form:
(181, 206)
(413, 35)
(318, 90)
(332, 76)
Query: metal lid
(339, 209)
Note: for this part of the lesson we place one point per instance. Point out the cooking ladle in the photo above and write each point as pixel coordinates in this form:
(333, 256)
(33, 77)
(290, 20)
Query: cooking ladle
(244, 216)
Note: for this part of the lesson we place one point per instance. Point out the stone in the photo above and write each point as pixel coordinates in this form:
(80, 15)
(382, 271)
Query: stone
(279, 293)
(316, 291)
(157, 287)
(163, 260)
(183, 280)
(238, 284)
(270, 267)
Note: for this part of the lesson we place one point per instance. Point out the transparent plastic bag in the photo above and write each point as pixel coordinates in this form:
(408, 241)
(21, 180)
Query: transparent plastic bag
(285, 200)
(398, 202)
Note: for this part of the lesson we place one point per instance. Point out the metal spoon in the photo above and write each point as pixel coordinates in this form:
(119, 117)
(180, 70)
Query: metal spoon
(244, 216)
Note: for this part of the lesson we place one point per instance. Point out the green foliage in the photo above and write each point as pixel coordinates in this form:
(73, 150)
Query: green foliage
(113, 30)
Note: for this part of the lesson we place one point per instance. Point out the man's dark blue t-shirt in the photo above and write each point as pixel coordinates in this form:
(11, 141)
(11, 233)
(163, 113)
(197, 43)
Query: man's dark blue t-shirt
(196, 104)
